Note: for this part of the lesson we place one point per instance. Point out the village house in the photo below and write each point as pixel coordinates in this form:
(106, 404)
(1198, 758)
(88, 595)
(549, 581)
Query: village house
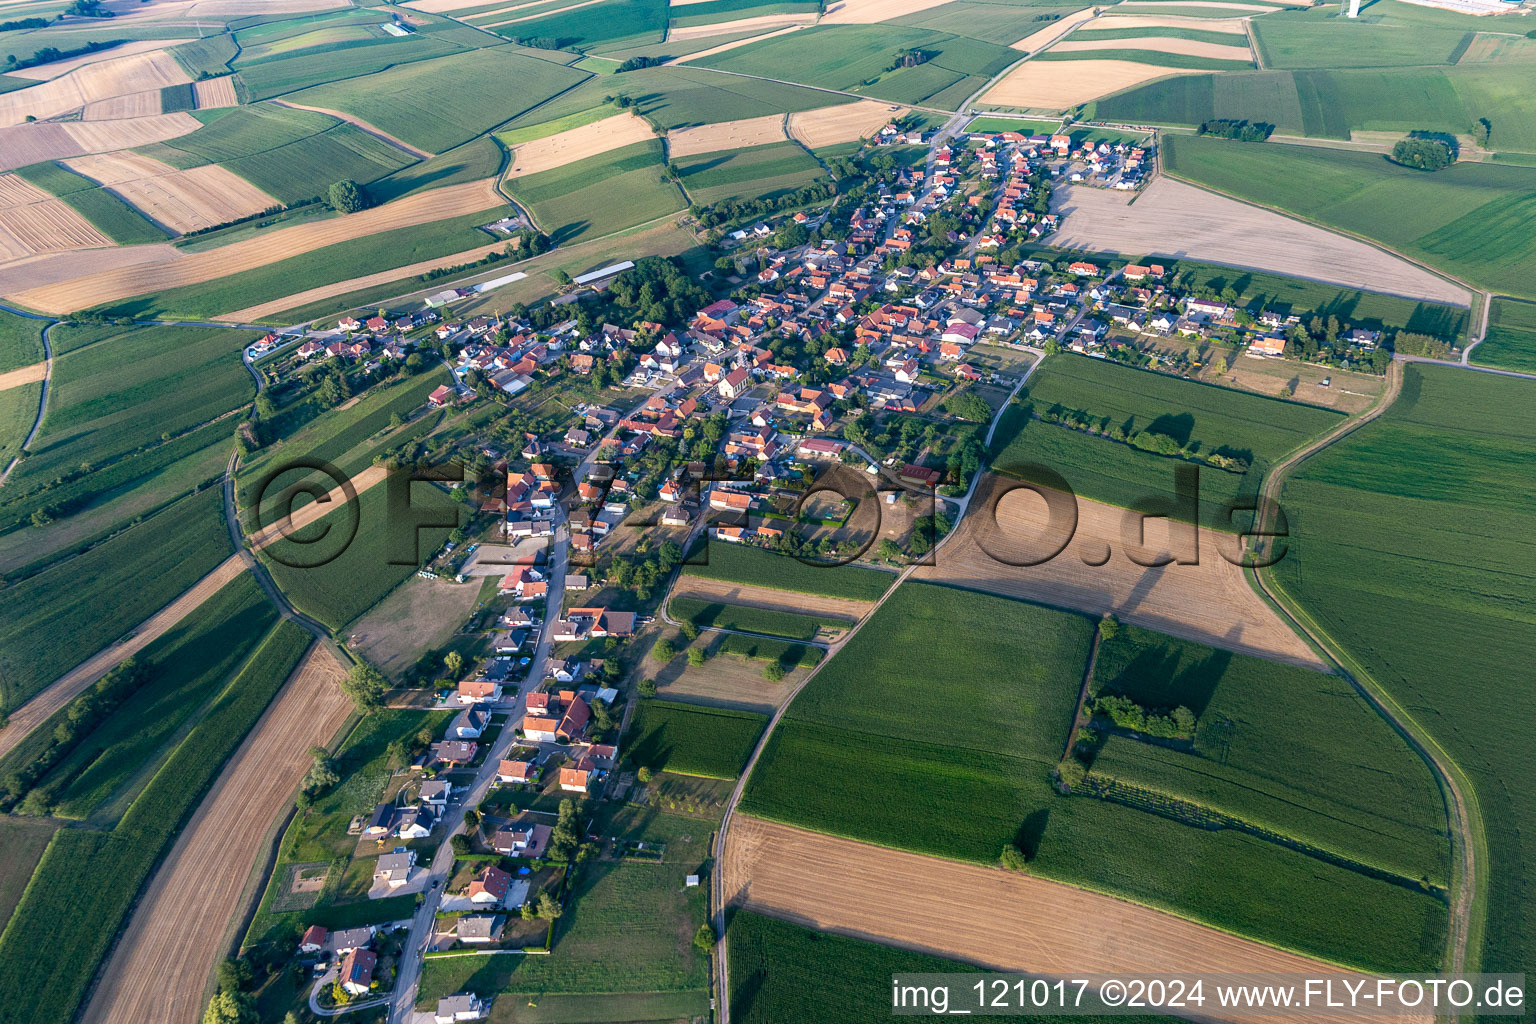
(462, 1007)
(356, 973)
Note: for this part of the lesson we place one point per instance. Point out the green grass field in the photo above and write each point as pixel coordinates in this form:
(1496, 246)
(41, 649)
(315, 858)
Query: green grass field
(18, 411)
(1287, 749)
(1157, 58)
(328, 59)
(115, 218)
(1089, 32)
(21, 341)
(518, 136)
(689, 739)
(1200, 417)
(362, 573)
(789, 655)
(113, 865)
(1387, 35)
(187, 666)
(52, 621)
(737, 563)
(292, 155)
(752, 620)
(1288, 296)
(24, 840)
(712, 12)
(128, 392)
(1004, 24)
(751, 173)
(1511, 340)
(438, 104)
(611, 24)
(1410, 547)
(474, 161)
(626, 934)
(601, 195)
(858, 58)
(1476, 221)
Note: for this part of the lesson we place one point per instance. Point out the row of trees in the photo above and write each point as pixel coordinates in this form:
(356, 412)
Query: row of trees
(1125, 713)
(1242, 131)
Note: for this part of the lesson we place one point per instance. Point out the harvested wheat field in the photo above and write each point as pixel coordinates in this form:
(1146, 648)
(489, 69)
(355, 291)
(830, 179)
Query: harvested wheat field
(53, 268)
(712, 138)
(868, 12)
(182, 201)
(702, 589)
(44, 72)
(1233, 26)
(68, 686)
(1001, 920)
(720, 28)
(180, 926)
(1172, 218)
(25, 144)
(26, 375)
(849, 122)
(1060, 84)
(1055, 30)
(439, 6)
(567, 147)
(93, 83)
(1161, 44)
(1210, 602)
(220, 9)
(114, 108)
(34, 222)
(1152, 5)
(195, 268)
(216, 92)
(732, 45)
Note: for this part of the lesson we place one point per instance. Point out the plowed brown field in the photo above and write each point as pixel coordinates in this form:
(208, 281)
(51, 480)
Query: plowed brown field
(180, 200)
(1002, 920)
(178, 930)
(64, 689)
(115, 108)
(227, 260)
(1210, 602)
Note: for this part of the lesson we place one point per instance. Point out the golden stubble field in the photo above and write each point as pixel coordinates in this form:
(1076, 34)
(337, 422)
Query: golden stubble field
(575, 144)
(24, 144)
(33, 222)
(1001, 920)
(828, 126)
(180, 200)
(179, 927)
(1210, 602)
(89, 85)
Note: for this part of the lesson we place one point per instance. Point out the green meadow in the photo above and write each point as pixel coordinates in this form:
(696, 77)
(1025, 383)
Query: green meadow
(1511, 340)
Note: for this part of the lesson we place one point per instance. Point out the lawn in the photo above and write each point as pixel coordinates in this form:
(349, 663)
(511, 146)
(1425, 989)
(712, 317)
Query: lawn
(737, 563)
(186, 667)
(600, 195)
(52, 621)
(752, 173)
(1473, 220)
(860, 58)
(114, 217)
(292, 155)
(1201, 418)
(383, 551)
(438, 104)
(753, 620)
(1257, 291)
(627, 930)
(133, 390)
(1363, 793)
(689, 739)
(1410, 547)
(1511, 340)
(113, 865)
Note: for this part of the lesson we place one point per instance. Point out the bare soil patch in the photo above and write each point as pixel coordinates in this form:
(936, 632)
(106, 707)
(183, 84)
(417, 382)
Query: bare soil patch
(720, 28)
(762, 597)
(1210, 602)
(68, 686)
(216, 92)
(178, 930)
(30, 143)
(26, 375)
(575, 144)
(1172, 218)
(1162, 44)
(92, 83)
(868, 12)
(1059, 84)
(712, 138)
(1055, 30)
(195, 268)
(1002, 920)
(420, 615)
(180, 200)
(828, 126)
(733, 44)
(33, 221)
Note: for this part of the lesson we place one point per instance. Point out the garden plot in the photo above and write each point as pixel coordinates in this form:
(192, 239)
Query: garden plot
(183, 201)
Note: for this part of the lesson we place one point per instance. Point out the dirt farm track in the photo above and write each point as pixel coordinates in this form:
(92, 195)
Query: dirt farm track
(1006, 921)
(163, 960)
